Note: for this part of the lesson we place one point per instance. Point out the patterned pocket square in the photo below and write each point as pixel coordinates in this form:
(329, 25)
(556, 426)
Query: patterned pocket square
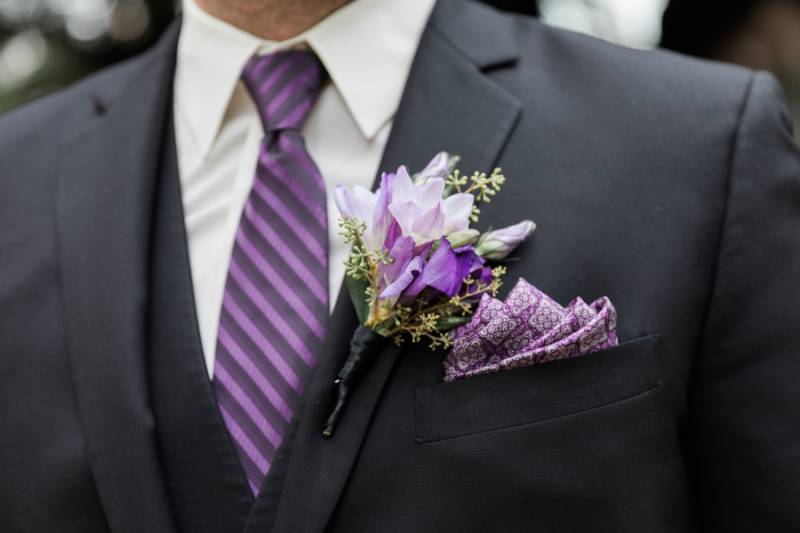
(527, 329)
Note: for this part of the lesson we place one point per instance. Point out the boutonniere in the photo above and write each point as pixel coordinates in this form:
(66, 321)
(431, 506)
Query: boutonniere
(417, 269)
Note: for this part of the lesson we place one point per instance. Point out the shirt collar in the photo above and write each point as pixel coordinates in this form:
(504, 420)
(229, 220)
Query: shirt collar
(367, 48)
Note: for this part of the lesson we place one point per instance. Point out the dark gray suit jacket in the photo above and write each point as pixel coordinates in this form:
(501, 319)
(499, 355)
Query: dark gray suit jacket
(670, 185)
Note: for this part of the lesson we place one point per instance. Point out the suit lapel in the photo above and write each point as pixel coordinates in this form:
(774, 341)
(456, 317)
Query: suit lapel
(450, 103)
(105, 203)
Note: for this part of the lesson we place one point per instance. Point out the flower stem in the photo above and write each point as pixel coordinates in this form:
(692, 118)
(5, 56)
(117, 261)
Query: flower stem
(365, 345)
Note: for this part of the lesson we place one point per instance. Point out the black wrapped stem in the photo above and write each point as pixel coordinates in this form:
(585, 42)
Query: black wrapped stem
(365, 345)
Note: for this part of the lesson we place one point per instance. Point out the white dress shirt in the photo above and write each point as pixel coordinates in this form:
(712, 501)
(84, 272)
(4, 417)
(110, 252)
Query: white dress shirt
(367, 48)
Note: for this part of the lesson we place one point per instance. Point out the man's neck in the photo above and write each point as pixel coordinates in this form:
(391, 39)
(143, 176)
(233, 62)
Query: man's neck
(273, 20)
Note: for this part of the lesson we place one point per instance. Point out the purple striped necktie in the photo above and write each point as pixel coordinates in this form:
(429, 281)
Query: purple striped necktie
(275, 306)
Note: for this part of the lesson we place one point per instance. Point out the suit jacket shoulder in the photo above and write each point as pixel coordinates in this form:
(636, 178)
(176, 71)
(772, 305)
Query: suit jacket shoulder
(32, 136)
(595, 72)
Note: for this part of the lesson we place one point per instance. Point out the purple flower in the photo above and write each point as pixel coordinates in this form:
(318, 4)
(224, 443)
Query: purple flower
(370, 208)
(442, 270)
(496, 245)
(407, 263)
(446, 270)
(399, 207)
(466, 264)
(415, 269)
(472, 265)
(422, 213)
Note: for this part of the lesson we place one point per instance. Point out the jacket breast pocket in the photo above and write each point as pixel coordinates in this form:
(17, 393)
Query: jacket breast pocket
(537, 393)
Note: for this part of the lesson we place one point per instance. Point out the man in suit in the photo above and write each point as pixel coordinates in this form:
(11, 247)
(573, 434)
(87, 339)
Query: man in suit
(169, 256)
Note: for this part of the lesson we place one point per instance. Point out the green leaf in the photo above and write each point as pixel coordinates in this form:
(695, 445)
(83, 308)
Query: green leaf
(358, 295)
(451, 322)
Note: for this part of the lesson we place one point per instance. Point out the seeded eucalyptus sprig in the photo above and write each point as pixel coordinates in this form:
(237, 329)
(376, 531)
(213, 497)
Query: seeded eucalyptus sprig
(481, 186)
(435, 322)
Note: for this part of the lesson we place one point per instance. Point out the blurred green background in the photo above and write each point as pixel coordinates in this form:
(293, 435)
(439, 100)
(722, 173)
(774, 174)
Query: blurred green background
(46, 44)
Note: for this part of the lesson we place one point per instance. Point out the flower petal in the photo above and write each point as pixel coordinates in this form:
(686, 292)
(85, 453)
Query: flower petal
(381, 219)
(341, 196)
(417, 286)
(405, 213)
(437, 168)
(401, 254)
(428, 226)
(403, 187)
(457, 209)
(429, 194)
(358, 203)
(442, 272)
(393, 232)
(496, 245)
(396, 288)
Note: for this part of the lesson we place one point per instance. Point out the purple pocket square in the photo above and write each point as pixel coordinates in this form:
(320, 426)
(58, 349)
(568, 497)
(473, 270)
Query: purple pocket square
(527, 329)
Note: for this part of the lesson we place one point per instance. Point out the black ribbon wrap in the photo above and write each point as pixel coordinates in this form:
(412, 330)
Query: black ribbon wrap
(365, 345)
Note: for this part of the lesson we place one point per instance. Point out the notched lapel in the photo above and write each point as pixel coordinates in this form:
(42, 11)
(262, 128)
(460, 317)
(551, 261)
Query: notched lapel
(449, 104)
(105, 203)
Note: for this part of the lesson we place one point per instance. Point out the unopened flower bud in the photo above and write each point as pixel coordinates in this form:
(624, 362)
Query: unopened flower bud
(437, 168)
(496, 245)
(464, 237)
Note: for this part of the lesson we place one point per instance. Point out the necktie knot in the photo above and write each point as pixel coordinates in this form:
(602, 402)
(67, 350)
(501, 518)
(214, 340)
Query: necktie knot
(284, 87)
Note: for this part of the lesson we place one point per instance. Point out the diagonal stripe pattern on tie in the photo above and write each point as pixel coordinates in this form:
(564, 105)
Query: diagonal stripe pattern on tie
(275, 306)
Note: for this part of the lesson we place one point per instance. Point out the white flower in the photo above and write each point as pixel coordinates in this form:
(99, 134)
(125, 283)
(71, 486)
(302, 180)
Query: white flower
(360, 203)
(422, 213)
(419, 210)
